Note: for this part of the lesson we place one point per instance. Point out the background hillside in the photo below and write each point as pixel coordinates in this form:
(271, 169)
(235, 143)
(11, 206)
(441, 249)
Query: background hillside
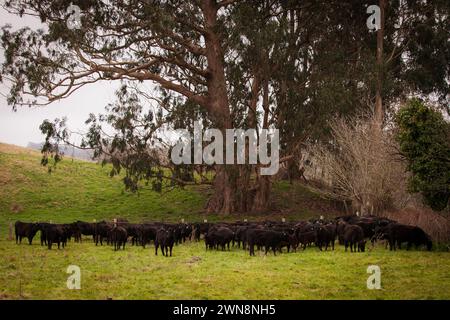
(69, 151)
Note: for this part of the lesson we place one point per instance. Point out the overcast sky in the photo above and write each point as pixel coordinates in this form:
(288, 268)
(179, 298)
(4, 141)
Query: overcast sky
(22, 126)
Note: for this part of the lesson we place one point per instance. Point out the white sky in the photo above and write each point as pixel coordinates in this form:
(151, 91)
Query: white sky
(22, 126)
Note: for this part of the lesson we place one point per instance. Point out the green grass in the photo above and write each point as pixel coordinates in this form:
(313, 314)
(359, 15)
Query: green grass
(34, 272)
(84, 191)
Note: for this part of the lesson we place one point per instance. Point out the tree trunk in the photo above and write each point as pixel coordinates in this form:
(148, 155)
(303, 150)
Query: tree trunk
(379, 112)
(261, 198)
(235, 192)
(232, 190)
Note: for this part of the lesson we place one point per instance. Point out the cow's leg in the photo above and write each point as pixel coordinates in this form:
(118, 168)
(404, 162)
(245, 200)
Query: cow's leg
(171, 250)
(30, 240)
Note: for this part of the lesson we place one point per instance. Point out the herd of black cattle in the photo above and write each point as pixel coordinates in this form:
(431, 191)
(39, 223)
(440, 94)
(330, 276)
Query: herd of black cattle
(350, 231)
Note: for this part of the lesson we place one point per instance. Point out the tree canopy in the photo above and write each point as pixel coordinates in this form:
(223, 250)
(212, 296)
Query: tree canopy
(424, 138)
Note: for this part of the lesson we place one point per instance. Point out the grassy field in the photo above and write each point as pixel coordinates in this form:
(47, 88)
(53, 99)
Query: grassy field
(82, 190)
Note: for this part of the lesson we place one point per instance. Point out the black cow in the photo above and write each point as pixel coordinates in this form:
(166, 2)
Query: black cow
(118, 237)
(102, 230)
(368, 226)
(240, 236)
(133, 231)
(399, 233)
(381, 233)
(71, 229)
(25, 230)
(86, 229)
(326, 235)
(177, 232)
(165, 240)
(221, 236)
(267, 238)
(199, 229)
(43, 229)
(147, 233)
(306, 238)
(354, 236)
(186, 231)
(56, 233)
(292, 242)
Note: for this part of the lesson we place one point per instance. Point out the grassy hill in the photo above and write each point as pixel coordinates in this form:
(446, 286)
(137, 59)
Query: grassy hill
(83, 190)
(79, 190)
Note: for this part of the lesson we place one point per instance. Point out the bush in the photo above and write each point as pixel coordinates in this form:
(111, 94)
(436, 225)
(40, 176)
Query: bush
(424, 139)
(359, 165)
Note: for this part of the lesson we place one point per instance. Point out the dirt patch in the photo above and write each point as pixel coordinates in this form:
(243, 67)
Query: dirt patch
(193, 260)
(16, 208)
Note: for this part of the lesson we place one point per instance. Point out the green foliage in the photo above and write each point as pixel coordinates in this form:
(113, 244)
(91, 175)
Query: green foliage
(424, 138)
